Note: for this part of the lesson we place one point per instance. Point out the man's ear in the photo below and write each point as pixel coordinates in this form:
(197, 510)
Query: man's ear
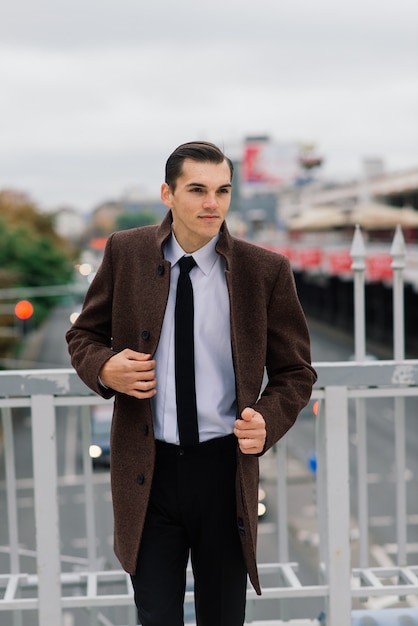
(166, 195)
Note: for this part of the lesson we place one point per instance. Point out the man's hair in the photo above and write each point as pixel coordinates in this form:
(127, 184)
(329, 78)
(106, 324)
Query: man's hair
(202, 151)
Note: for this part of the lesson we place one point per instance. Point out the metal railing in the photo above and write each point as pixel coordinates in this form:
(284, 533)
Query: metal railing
(349, 574)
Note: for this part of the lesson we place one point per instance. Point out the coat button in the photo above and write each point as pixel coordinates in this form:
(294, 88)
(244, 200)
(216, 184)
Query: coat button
(146, 429)
(145, 335)
(140, 479)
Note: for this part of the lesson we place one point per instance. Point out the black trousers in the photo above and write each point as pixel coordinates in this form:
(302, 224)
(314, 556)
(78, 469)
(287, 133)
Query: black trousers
(192, 511)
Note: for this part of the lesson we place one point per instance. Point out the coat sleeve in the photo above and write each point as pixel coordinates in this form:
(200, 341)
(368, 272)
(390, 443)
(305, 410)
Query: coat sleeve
(290, 375)
(90, 338)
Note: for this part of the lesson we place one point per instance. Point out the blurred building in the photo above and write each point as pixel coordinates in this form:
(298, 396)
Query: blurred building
(396, 189)
(267, 168)
(69, 223)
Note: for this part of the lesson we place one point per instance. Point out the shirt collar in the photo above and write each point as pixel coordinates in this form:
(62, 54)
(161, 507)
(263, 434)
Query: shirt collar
(205, 257)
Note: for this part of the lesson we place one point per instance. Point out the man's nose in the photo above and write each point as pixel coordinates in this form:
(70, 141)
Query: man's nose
(211, 201)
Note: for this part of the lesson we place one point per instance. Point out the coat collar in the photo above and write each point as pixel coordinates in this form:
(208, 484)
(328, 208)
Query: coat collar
(223, 247)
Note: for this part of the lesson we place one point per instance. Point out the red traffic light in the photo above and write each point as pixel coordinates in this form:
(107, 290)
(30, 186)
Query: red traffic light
(24, 309)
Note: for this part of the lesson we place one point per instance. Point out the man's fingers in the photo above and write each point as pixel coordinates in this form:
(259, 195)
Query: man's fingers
(250, 419)
(251, 446)
(250, 431)
(134, 355)
(130, 372)
(247, 414)
(139, 361)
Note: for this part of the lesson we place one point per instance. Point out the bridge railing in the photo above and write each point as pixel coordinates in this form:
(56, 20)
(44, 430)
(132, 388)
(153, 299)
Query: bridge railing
(50, 591)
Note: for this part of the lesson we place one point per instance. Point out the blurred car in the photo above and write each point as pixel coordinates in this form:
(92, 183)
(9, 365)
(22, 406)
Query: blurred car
(101, 420)
(262, 508)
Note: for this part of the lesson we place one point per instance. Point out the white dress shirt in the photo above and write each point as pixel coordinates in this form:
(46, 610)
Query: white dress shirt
(214, 371)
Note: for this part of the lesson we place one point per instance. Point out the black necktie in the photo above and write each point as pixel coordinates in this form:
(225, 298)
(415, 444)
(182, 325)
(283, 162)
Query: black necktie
(184, 356)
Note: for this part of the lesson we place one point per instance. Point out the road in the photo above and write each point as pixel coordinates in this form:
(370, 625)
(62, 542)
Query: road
(49, 350)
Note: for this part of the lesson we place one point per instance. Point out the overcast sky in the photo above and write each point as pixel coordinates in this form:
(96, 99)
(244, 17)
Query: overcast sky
(94, 94)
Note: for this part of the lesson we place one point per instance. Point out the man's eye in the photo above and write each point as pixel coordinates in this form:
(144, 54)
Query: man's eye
(225, 190)
(196, 190)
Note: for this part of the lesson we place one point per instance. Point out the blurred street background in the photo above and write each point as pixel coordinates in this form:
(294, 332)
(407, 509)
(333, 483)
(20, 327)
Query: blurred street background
(316, 104)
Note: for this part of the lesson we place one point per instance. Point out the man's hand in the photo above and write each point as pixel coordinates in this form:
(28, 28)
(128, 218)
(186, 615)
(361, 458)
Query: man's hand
(251, 431)
(130, 372)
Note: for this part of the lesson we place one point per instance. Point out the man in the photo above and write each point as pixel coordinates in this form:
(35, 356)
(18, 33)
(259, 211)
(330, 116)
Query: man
(176, 494)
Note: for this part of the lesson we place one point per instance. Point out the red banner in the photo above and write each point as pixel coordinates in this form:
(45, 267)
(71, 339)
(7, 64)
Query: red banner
(338, 262)
(309, 258)
(285, 250)
(379, 267)
(334, 262)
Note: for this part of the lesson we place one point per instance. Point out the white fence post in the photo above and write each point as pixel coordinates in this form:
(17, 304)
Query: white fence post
(10, 468)
(335, 450)
(46, 509)
(358, 255)
(282, 506)
(398, 253)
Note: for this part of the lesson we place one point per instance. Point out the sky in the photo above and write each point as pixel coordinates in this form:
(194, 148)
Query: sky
(95, 94)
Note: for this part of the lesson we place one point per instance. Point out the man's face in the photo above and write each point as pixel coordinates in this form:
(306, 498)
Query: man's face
(199, 202)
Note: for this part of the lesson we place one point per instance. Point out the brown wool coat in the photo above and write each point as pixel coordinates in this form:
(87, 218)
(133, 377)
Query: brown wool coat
(124, 308)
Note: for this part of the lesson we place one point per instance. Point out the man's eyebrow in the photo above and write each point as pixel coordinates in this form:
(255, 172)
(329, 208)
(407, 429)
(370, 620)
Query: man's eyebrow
(201, 185)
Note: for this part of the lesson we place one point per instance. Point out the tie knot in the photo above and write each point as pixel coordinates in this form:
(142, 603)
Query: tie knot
(186, 263)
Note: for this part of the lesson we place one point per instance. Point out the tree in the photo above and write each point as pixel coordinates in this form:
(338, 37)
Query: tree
(127, 220)
(31, 252)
